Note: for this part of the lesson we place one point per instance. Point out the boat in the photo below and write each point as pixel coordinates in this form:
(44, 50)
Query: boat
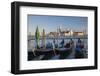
(43, 51)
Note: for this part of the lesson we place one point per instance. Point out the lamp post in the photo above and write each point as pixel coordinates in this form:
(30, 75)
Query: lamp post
(43, 39)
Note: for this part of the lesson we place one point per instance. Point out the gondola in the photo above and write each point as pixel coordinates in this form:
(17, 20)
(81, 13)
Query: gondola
(43, 51)
(64, 52)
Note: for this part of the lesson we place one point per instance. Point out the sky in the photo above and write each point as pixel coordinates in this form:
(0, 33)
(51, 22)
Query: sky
(50, 23)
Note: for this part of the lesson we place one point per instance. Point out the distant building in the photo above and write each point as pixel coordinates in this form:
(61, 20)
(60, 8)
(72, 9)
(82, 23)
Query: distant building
(61, 33)
(65, 33)
(53, 34)
(30, 33)
(78, 33)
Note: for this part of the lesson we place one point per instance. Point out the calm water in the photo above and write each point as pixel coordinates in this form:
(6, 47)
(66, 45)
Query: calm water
(32, 43)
